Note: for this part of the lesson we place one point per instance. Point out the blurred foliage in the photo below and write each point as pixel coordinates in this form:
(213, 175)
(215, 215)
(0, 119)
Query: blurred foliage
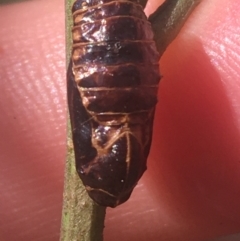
(12, 1)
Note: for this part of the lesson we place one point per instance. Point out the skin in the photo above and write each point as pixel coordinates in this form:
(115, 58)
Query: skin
(191, 188)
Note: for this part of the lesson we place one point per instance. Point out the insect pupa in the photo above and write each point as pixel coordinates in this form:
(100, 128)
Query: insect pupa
(113, 79)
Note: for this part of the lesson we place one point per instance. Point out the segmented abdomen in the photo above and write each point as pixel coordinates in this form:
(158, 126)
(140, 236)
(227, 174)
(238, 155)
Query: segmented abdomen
(115, 74)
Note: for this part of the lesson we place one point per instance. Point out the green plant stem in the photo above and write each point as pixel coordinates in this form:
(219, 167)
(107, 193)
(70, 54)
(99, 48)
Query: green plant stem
(168, 20)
